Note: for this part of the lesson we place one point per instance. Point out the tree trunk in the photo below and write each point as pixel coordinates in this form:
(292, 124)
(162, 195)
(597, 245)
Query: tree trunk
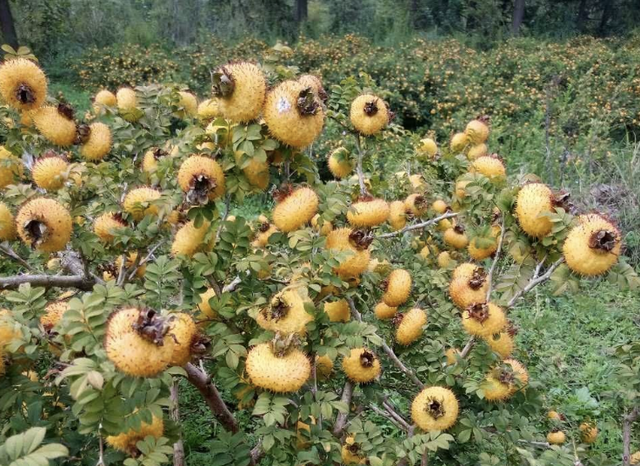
(301, 11)
(607, 13)
(582, 16)
(518, 16)
(7, 25)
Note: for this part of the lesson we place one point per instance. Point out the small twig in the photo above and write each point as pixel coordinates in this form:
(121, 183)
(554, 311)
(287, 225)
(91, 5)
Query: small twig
(48, 281)
(178, 447)
(214, 284)
(123, 269)
(256, 453)
(535, 280)
(131, 271)
(627, 422)
(314, 389)
(225, 215)
(147, 258)
(359, 170)
(393, 413)
(425, 458)
(496, 259)
(418, 226)
(101, 450)
(11, 254)
(467, 348)
(341, 419)
(382, 413)
(535, 444)
(232, 286)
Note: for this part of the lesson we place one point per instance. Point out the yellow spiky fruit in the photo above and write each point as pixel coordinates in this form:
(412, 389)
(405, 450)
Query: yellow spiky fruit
(284, 372)
(369, 114)
(49, 172)
(189, 239)
(439, 206)
(459, 143)
(7, 224)
(138, 201)
(326, 227)
(150, 159)
(504, 381)
(347, 240)
(98, 145)
(293, 114)
(383, 311)
(635, 458)
(340, 165)
(397, 215)
(480, 253)
(351, 453)
(131, 259)
(554, 416)
(11, 168)
(126, 441)
(444, 259)
(8, 328)
(484, 320)
(361, 366)
(533, 201)
(427, 147)
(368, 212)
(417, 183)
(411, 325)
(257, 173)
(136, 342)
(286, 313)
(338, 311)
(324, 367)
(477, 131)
(452, 355)
(183, 332)
(479, 150)
(501, 343)
(435, 408)
(204, 306)
(416, 204)
(490, 166)
(456, 237)
(588, 432)
(53, 313)
(44, 224)
(315, 83)
(189, 103)
(296, 209)
(127, 102)
(556, 437)
(467, 291)
(201, 178)
(265, 231)
(55, 125)
(240, 89)
(209, 109)
(593, 246)
(106, 98)
(105, 225)
(425, 252)
(465, 270)
(23, 85)
(460, 188)
(398, 288)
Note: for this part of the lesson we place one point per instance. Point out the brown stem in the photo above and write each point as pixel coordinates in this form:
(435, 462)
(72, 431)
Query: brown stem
(627, 422)
(418, 226)
(11, 254)
(48, 281)
(390, 418)
(496, 258)
(359, 171)
(467, 348)
(535, 280)
(341, 419)
(425, 458)
(178, 447)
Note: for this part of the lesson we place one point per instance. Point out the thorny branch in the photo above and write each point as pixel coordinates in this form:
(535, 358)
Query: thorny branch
(11, 254)
(341, 419)
(536, 280)
(359, 171)
(417, 226)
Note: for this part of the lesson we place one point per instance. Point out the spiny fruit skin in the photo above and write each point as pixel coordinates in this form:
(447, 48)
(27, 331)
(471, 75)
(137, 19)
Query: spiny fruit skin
(45, 224)
(397, 215)
(201, 176)
(428, 147)
(460, 188)
(7, 224)
(339, 163)
(150, 159)
(496, 390)
(296, 209)
(338, 311)
(435, 408)
(501, 343)
(464, 270)
(136, 197)
(105, 97)
(339, 240)
(244, 102)
(126, 441)
(55, 126)
(23, 84)
(398, 288)
(128, 104)
(189, 239)
(368, 212)
(361, 366)
(465, 292)
(99, 143)
(257, 173)
(489, 166)
(53, 314)
(416, 204)
(451, 355)
(534, 200)
(593, 246)
(459, 142)
(556, 437)
(477, 131)
(324, 367)
(183, 331)
(350, 452)
(280, 374)
(369, 114)
(129, 351)
(384, 311)
(410, 328)
(456, 238)
(417, 183)
(478, 150)
(444, 259)
(209, 109)
(589, 432)
(9, 171)
(286, 313)
(204, 306)
(48, 172)
(425, 252)
(326, 227)
(635, 458)
(105, 224)
(190, 104)
(478, 253)
(439, 206)
(492, 320)
(262, 238)
(315, 83)
(287, 121)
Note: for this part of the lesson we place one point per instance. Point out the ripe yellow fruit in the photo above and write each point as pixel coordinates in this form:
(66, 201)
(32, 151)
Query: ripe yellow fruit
(293, 114)
(397, 215)
(589, 432)
(190, 239)
(354, 242)
(209, 109)
(483, 320)
(465, 270)
(131, 260)
(556, 437)
(137, 343)
(257, 173)
(23, 85)
(295, 208)
(315, 83)
(340, 165)
(201, 178)
(384, 312)
(55, 124)
(444, 259)
(467, 291)
(49, 172)
(593, 246)
(369, 114)
(53, 314)
(425, 252)
(361, 366)
(368, 212)
(150, 159)
(106, 98)
(416, 204)
(533, 201)
(481, 253)
(477, 131)
(286, 313)
(490, 166)
(8, 328)
(324, 367)
(189, 103)
(451, 355)
(635, 458)
(501, 343)
(326, 227)
(397, 288)
(351, 452)
(105, 225)
(280, 372)
(554, 416)
(128, 104)
(127, 441)
(439, 206)
(98, 145)
(184, 333)
(460, 188)
(428, 147)
(456, 237)
(417, 183)
(10, 168)
(478, 150)
(435, 408)
(240, 90)
(338, 311)
(204, 306)
(265, 230)
(7, 224)
(410, 327)
(138, 202)
(44, 224)
(459, 143)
